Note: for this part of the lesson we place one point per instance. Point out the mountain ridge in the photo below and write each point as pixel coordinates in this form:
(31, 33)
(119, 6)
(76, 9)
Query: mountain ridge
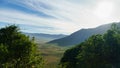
(81, 35)
(43, 38)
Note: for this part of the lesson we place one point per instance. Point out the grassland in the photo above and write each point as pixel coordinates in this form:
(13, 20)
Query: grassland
(51, 54)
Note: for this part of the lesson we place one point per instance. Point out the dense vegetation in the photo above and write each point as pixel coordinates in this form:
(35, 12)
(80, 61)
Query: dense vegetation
(17, 50)
(99, 51)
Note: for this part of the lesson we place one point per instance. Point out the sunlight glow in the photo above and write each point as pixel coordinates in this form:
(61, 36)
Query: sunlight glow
(104, 9)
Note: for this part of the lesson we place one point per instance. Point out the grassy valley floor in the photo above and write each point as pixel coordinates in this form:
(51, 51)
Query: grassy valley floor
(52, 54)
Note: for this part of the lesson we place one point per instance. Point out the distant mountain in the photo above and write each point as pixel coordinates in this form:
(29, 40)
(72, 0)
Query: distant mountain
(81, 35)
(43, 38)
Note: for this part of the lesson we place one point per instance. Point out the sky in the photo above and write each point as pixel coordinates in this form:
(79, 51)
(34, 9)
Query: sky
(58, 16)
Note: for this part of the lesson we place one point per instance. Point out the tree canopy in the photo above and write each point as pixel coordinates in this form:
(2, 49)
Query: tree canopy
(17, 50)
(98, 51)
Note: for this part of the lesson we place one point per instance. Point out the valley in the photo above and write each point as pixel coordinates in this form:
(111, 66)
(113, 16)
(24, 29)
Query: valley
(52, 54)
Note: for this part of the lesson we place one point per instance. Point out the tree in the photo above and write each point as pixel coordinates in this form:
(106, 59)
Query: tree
(91, 54)
(98, 51)
(112, 48)
(17, 50)
(70, 62)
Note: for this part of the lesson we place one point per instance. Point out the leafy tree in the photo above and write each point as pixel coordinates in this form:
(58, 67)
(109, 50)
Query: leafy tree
(112, 48)
(99, 51)
(70, 62)
(17, 50)
(91, 54)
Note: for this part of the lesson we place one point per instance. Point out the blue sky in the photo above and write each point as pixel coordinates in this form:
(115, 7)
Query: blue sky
(58, 16)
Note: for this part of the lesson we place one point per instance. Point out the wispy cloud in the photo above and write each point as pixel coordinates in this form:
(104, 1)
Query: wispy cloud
(57, 16)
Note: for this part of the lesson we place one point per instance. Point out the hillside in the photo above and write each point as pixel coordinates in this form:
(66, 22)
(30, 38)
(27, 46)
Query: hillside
(81, 35)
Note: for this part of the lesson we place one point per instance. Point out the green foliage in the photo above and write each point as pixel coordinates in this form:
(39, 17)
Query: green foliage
(16, 50)
(71, 60)
(99, 51)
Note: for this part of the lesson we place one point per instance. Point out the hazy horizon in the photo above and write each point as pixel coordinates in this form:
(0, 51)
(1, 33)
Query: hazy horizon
(58, 16)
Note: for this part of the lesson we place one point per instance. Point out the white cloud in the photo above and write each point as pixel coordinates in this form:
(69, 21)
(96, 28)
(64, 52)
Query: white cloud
(69, 15)
(22, 18)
